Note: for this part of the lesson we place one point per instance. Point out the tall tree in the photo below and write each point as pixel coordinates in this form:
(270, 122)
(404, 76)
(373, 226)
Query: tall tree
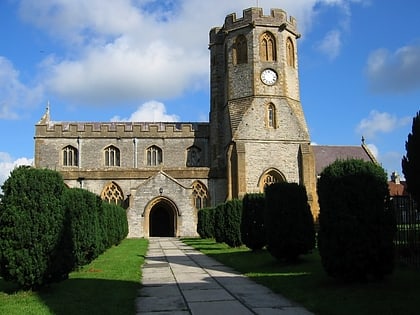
(411, 161)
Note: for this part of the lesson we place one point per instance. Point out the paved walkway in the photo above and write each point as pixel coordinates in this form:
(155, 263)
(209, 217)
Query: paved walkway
(178, 279)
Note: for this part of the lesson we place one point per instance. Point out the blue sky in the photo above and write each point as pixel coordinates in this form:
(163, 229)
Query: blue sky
(147, 60)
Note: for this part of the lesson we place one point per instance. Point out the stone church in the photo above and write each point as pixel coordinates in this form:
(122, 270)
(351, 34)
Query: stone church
(163, 173)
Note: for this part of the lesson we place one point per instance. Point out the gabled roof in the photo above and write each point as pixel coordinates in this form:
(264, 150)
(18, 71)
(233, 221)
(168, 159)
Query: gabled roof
(327, 154)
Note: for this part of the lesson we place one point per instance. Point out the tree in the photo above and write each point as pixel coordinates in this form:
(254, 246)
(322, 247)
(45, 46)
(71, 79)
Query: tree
(252, 223)
(411, 161)
(31, 227)
(356, 226)
(288, 221)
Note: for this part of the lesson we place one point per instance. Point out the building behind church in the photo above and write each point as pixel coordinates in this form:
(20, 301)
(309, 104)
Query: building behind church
(163, 173)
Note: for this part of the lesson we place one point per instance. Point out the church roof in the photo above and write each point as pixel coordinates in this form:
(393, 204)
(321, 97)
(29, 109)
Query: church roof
(327, 154)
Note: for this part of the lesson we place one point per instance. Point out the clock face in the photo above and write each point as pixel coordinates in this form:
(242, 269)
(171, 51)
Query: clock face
(269, 76)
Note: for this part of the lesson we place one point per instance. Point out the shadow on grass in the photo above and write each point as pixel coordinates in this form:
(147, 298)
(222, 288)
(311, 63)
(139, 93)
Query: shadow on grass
(78, 296)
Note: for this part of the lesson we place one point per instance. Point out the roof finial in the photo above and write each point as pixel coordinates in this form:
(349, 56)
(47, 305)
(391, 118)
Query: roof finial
(363, 140)
(46, 117)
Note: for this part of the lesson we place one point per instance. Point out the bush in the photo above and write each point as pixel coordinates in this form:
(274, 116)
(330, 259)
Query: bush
(82, 223)
(252, 222)
(232, 227)
(113, 223)
(288, 220)
(31, 227)
(205, 224)
(356, 228)
(219, 223)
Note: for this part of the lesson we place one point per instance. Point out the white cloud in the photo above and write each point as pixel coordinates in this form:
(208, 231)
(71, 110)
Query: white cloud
(123, 50)
(14, 95)
(7, 164)
(330, 44)
(394, 72)
(149, 112)
(380, 123)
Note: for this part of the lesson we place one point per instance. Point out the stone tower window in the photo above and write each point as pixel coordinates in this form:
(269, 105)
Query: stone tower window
(290, 53)
(112, 193)
(193, 156)
(200, 195)
(112, 156)
(154, 156)
(268, 47)
(270, 177)
(70, 156)
(271, 116)
(240, 50)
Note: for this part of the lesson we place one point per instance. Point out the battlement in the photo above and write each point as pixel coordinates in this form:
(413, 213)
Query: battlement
(121, 129)
(255, 16)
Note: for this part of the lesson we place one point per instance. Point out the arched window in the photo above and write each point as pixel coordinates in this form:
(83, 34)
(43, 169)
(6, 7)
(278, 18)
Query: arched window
(270, 177)
(240, 50)
(271, 116)
(112, 193)
(112, 156)
(154, 156)
(268, 47)
(200, 195)
(290, 53)
(193, 156)
(70, 156)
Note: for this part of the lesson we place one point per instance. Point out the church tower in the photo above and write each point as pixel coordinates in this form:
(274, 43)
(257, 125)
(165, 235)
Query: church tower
(258, 132)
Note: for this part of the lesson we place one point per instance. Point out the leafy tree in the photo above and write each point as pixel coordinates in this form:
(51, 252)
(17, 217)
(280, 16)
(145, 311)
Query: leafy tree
(31, 227)
(205, 225)
(411, 161)
(252, 223)
(288, 221)
(356, 227)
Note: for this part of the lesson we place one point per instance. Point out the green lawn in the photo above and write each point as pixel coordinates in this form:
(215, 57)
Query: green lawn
(108, 285)
(307, 283)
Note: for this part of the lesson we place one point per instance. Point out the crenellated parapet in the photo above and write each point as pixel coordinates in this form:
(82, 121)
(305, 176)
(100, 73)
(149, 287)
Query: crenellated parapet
(121, 130)
(255, 17)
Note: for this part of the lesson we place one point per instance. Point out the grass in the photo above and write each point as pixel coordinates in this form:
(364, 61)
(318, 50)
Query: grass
(307, 283)
(108, 285)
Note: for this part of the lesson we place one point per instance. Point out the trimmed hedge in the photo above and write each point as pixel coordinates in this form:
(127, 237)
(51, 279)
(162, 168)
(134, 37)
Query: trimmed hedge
(113, 223)
(253, 232)
(219, 223)
(288, 220)
(205, 224)
(31, 226)
(82, 219)
(226, 222)
(356, 227)
(47, 230)
(232, 227)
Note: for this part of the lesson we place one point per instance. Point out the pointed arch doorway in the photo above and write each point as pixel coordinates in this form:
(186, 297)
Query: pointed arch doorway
(162, 219)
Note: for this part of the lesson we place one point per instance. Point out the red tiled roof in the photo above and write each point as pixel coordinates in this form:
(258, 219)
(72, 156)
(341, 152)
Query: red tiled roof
(397, 189)
(327, 154)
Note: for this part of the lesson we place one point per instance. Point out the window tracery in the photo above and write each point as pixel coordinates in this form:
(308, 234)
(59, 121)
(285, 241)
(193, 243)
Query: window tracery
(193, 156)
(290, 53)
(112, 156)
(70, 156)
(269, 178)
(112, 193)
(154, 156)
(268, 47)
(240, 51)
(200, 195)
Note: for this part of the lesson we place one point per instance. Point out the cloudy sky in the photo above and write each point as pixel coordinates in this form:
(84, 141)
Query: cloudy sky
(148, 60)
